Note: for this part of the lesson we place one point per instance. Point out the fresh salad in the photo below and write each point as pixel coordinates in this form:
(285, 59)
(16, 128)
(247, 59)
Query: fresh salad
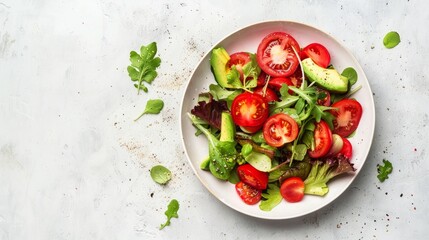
(277, 121)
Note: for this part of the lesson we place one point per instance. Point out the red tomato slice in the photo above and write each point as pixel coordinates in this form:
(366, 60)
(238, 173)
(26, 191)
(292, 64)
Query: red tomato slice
(326, 101)
(318, 53)
(322, 140)
(247, 193)
(296, 78)
(347, 149)
(302, 54)
(249, 110)
(262, 79)
(252, 176)
(347, 117)
(270, 95)
(292, 189)
(276, 83)
(250, 129)
(275, 55)
(238, 60)
(280, 129)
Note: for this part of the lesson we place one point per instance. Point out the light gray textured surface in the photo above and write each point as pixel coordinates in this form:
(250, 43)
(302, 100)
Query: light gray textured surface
(73, 164)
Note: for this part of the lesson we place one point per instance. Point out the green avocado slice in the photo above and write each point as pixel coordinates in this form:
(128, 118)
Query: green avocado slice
(326, 78)
(219, 61)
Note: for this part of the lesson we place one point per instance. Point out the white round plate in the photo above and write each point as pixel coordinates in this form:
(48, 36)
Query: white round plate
(247, 39)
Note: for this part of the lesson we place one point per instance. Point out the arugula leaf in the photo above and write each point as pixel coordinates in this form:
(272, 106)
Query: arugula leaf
(220, 93)
(384, 171)
(299, 106)
(233, 77)
(153, 106)
(391, 40)
(250, 72)
(308, 139)
(141, 87)
(321, 112)
(160, 174)
(287, 100)
(173, 208)
(272, 198)
(299, 151)
(143, 66)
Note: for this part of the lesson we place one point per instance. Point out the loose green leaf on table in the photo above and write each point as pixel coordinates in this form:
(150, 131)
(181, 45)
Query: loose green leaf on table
(160, 174)
(153, 106)
(391, 40)
(143, 66)
(384, 171)
(173, 208)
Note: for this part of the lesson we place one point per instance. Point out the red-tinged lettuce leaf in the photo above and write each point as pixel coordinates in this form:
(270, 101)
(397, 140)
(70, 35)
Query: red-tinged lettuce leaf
(339, 165)
(210, 111)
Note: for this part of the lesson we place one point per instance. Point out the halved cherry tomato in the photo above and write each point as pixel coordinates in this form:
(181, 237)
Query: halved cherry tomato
(318, 53)
(261, 79)
(249, 110)
(296, 77)
(248, 194)
(252, 176)
(326, 101)
(280, 129)
(250, 129)
(292, 189)
(347, 117)
(322, 140)
(275, 55)
(269, 96)
(302, 54)
(347, 149)
(277, 82)
(238, 60)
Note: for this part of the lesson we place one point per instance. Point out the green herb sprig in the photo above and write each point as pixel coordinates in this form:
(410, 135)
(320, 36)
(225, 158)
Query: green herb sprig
(173, 208)
(384, 171)
(143, 66)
